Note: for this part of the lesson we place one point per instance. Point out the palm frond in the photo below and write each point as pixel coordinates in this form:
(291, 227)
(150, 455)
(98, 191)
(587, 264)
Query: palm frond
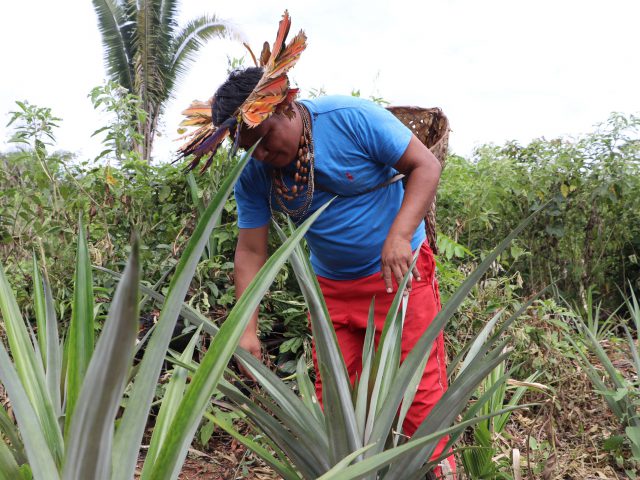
(168, 16)
(191, 38)
(116, 29)
(148, 62)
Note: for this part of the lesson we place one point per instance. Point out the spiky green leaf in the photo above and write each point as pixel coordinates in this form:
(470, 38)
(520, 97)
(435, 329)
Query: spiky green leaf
(129, 434)
(88, 453)
(215, 360)
(30, 370)
(81, 329)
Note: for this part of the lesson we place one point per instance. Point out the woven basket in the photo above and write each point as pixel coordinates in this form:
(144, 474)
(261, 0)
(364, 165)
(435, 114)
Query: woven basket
(431, 127)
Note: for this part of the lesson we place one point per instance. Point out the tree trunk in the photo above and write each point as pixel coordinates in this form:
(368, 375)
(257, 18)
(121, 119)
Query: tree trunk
(147, 130)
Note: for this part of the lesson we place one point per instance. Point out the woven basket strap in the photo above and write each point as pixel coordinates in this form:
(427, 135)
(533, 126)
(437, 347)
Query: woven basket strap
(384, 184)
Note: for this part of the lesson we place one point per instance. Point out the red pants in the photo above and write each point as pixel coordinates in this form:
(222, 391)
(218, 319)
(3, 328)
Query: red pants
(348, 302)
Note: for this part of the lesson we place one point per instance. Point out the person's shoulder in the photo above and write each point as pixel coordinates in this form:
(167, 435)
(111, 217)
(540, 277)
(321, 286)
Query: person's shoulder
(333, 103)
(255, 172)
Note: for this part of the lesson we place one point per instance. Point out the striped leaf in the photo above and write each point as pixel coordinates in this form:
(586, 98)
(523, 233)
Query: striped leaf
(368, 352)
(30, 370)
(40, 310)
(36, 446)
(285, 471)
(402, 378)
(211, 247)
(90, 439)
(8, 465)
(290, 409)
(381, 460)
(340, 417)
(129, 434)
(215, 360)
(307, 391)
(453, 402)
(308, 448)
(170, 403)
(8, 428)
(299, 455)
(387, 359)
(81, 329)
(53, 376)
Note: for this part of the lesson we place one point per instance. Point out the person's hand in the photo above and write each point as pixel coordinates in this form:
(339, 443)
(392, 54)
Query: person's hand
(250, 342)
(396, 261)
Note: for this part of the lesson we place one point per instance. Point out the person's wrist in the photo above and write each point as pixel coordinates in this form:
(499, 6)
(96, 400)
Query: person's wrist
(395, 237)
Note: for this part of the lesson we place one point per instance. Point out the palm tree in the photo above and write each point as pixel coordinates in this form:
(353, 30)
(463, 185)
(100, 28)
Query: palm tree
(148, 53)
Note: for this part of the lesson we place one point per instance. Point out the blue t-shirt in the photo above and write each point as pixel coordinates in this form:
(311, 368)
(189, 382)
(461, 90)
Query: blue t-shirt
(356, 144)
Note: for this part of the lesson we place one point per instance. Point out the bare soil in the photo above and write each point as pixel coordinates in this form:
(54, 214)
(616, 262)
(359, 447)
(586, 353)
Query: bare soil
(225, 459)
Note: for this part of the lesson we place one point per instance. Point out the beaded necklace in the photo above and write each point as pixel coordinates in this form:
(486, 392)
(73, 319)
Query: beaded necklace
(303, 177)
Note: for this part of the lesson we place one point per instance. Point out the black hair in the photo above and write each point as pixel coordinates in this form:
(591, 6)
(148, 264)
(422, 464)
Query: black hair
(233, 92)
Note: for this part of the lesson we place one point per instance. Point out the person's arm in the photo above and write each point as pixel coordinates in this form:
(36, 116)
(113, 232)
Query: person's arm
(251, 254)
(423, 171)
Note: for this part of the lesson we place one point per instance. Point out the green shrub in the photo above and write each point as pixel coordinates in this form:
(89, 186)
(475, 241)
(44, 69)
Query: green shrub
(589, 235)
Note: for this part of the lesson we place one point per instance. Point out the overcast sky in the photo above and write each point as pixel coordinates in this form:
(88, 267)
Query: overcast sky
(499, 69)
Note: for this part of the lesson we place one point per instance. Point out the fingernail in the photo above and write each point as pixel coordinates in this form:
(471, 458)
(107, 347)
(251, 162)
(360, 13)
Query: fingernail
(419, 278)
(389, 290)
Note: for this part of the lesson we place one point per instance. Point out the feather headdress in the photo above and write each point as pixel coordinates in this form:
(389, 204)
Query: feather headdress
(272, 94)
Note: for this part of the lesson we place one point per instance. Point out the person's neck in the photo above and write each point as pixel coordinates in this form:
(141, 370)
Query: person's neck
(297, 125)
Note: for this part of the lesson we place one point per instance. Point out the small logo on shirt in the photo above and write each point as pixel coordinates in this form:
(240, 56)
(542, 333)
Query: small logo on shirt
(349, 176)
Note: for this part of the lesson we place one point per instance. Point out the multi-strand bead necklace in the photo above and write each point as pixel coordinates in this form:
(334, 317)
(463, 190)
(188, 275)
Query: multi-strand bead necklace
(302, 178)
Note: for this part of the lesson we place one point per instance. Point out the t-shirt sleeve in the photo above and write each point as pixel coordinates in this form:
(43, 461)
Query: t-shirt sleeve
(384, 137)
(252, 199)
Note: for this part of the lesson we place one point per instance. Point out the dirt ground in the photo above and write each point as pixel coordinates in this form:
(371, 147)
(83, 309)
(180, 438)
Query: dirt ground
(227, 460)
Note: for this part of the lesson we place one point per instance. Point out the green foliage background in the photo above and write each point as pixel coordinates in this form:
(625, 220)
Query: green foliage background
(590, 236)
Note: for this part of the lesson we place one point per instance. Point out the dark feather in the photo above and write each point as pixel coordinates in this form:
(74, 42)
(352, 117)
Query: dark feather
(207, 163)
(236, 145)
(210, 145)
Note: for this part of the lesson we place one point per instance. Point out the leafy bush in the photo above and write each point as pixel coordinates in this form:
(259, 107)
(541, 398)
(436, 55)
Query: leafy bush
(590, 234)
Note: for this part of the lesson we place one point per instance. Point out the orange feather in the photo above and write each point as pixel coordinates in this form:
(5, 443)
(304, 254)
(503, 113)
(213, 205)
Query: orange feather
(281, 37)
(271, 94)
(272, 86)
(274, 82)
(198, 107)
